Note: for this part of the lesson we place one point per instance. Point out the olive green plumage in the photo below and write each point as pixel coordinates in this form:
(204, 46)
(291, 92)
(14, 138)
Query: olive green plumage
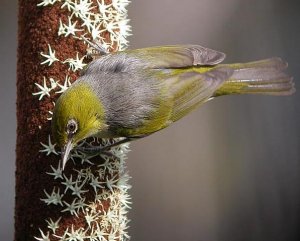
(135, 93)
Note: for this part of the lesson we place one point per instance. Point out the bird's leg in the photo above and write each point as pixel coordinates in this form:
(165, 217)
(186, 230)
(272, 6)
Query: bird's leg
(105, 149)
(100, 49)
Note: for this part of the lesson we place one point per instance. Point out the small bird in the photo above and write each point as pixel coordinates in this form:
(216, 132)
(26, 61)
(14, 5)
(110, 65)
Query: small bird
(135, 93)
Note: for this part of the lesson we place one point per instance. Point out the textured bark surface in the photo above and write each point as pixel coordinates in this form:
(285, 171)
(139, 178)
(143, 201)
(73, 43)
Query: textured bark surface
(38, 27)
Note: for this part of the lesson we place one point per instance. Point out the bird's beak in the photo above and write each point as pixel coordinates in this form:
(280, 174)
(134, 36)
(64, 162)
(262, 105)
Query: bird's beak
(65, 152)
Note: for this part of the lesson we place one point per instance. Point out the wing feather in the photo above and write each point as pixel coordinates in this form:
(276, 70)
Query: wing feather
(178, 56)
(162, 57)
(191, 88)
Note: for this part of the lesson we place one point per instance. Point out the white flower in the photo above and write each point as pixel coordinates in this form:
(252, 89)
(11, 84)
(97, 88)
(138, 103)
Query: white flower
(45, 237)
(75, 64)
(82, 8)
(90, 218)
(100, 233)
(53, 198)
(88, 22)
(64, 237)
(76, 235)
(77, 189)
(96, 30)
(81, 204)
(57, 173)
(68, 183)
(95, 183)
(124, 199)
(44, 90)
(50, 148)
(71, 29)
(103, 8)
(111, 27)
(65, 86)
(50, 58)
(124, 28)
(61, 29)
(53, 225)
(72, 207)
(112, 182)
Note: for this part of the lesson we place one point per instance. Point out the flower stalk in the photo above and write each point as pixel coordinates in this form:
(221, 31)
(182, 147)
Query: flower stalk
(88, 200)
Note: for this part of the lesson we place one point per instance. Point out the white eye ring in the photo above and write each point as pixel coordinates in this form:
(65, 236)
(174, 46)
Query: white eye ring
(72, 126)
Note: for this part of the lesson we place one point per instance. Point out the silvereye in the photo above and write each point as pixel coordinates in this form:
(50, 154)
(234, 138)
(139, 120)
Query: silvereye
(135, 93)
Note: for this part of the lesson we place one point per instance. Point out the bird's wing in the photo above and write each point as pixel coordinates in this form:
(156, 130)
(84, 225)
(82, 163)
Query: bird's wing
(161, 57)
(190, 89)
(177, 56)
(183, 92)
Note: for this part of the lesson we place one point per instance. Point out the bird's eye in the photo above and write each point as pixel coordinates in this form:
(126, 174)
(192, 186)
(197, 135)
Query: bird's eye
(72, 126)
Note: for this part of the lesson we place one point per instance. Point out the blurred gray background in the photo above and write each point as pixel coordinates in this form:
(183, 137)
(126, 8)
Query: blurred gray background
(228, 172)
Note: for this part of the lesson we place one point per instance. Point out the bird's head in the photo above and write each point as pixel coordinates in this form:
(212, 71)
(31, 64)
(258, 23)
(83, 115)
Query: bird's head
(78, 114)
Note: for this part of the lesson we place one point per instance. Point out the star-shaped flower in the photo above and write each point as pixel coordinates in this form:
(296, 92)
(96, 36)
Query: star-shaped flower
(71, 29)
(89, 218)
(88, 22)
(57, 173)
(65, 86)
(68, 183)
(111, 27)
(100, 233)
(74, 206)
(44, 90)
(77, 235)
(103, 8)
(53, 198)
(50, 58)
(95, 183)
(77, 189)
(112, 182)
(107, 165)
(124, 199)
(75, 64)
(45, 237)
(50, 148)
(82, 8)
(64, 237)
(53, 225)
(81, 204)
(113, 236)
(93, 235)
(61, 29)
(124, 28)
(96, 30)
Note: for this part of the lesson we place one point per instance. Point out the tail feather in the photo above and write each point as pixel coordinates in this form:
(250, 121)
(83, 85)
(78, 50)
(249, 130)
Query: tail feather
(258, 77)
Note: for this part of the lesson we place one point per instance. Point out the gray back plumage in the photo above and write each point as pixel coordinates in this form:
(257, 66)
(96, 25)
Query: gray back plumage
(119, 83)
